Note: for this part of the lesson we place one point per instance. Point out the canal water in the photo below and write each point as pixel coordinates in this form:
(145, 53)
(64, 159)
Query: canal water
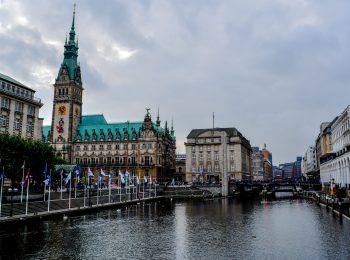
(211, 229)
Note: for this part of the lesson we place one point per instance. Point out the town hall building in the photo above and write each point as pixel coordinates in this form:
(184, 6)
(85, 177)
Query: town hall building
(143, 148)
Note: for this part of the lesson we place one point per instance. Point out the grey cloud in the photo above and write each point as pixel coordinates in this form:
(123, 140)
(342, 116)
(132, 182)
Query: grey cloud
(265, 67)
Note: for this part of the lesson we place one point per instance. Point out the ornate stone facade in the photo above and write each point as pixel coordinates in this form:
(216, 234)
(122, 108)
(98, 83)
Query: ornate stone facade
(19, 109)
(142, 148)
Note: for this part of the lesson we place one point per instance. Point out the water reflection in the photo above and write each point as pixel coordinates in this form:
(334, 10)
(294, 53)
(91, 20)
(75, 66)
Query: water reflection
(211, 229)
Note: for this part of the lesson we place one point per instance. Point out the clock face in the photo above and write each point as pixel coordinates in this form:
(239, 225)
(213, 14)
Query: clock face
(62, 110)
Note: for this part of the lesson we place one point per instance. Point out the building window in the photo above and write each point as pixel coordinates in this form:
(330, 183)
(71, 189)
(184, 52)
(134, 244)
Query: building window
(101, 147)
(232, 156)
(208, 148)
(193, 169)
(108, 160)
(193, 156)
(3, 120)
(201, 157)
(232, 167)
(109, 147)
(209, 167)
(117, 147)
(31, 110)
(17, 123)
(201, 148)
(85, 147)
(133, 161)
(29, 126)
(216, 156)
(78, 147)
(217, 168)
(5, 103)
(147, 160)
(193, 148)
(93, 147)
(19, 107)
(133, 146)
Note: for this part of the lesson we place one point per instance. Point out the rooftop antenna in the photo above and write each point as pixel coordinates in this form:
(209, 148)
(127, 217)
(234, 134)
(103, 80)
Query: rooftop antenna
(213, 120)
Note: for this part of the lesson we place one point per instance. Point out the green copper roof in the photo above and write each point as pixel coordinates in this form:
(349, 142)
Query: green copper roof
(46, 129)
(13, 81)
(121, 127)
(93, 120)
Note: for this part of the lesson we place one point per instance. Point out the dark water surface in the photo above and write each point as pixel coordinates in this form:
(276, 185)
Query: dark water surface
(213, 229)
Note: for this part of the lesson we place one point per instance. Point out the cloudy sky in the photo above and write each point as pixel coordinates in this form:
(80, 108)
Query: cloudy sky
(274, 69)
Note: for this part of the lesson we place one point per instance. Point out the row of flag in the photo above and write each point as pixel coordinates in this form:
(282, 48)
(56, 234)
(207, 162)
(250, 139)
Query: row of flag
(47, 177)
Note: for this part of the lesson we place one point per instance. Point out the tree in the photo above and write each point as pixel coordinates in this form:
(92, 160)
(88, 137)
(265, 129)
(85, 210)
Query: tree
(14, 151)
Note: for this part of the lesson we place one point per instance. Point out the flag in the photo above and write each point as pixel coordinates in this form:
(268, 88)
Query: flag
(47, 181)
(90, 173)
(145, 178)
(68, 177)
(2, 174)
(126, 179)
(26, 178)
(201, 170)
(99, 179)
(23, 164)
(137, 180)
(44, 171)
(102, 173)
(61, 173)
(77, 173)
(121, 176)
(150, 180)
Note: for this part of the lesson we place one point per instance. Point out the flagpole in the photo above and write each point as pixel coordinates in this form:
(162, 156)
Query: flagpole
(70, 189)
(27, 194)
(44, 190)
(84, 190)
(45, 169)
(24, 162)
(2, 184)
(48, 202)
(61, 183)
(75, 184)
(155, 188)
(98, 189)
(109, 199)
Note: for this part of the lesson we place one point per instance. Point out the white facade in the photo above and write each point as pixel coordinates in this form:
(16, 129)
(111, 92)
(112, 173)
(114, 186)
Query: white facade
(19, 110)
(211, 153)
(339, 167)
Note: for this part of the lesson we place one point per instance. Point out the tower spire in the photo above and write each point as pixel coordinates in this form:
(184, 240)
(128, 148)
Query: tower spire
(158, 120)
(72, 31)
(172, 127)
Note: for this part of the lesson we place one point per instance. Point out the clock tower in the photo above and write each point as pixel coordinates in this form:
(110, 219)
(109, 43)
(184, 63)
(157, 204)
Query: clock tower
(67, 102)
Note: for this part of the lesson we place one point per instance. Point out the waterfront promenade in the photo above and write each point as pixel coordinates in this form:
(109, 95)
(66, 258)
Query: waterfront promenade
(77, 204)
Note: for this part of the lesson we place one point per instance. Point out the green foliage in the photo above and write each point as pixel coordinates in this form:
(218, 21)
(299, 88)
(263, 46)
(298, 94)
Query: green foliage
(14, 150)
